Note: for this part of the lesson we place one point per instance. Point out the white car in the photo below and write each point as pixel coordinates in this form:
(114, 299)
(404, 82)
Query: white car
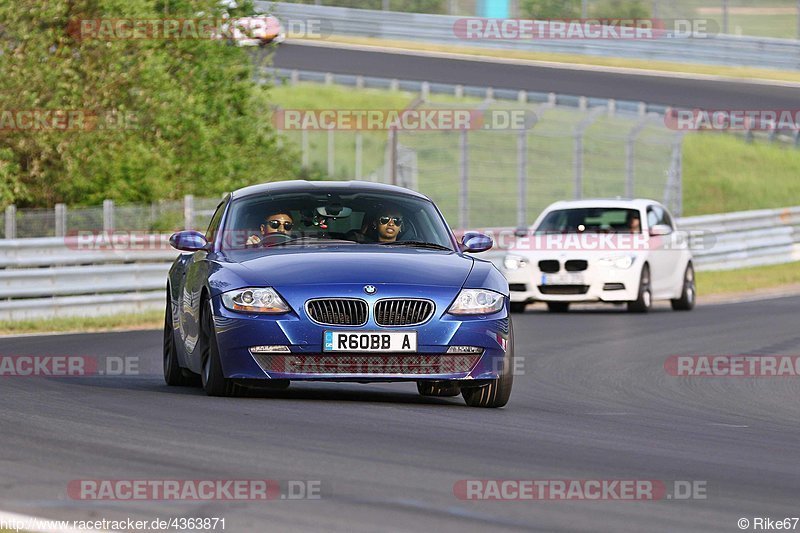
(616, 251)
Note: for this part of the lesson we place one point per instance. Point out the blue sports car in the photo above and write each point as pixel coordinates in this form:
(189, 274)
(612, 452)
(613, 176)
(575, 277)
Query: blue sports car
(336, 281)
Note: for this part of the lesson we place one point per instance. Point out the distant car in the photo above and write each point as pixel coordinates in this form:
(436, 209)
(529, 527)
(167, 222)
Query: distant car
(329, 298)
(258, 30)
(616, 251)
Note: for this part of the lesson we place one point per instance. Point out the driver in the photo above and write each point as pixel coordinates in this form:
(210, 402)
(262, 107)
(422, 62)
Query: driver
(276, 223)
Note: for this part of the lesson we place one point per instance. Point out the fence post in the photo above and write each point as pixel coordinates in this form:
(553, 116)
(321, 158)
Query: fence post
(674, 186)
(630, 152)
(188, 211)
(522, 178)
(304, 155)
(11, 222)
(108, 215)
(393, 156)
(577, 161)
(61, 220)
(331, 154)
(359, 153)
(463, 197)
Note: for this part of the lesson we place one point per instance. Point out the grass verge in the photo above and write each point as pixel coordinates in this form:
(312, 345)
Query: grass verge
(748, 279)
(122, 322)
(745, 73)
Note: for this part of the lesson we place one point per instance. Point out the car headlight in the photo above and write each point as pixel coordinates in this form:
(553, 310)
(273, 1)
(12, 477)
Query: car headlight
(477, 302)
(618, 261)
(254, 300)
(514, 262)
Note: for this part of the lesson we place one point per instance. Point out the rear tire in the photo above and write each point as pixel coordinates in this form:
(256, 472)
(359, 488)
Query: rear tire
(558, 307)
(689, 294)
(214, 381)
(438, 388)
(497, 391)
(518, 307)
(643, 303)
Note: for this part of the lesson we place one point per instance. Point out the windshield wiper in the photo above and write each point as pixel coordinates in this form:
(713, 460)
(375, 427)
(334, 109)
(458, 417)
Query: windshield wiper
(310, 240)
(418, 244)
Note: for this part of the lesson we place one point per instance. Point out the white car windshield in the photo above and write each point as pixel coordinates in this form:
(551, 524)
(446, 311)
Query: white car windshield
(591, 220)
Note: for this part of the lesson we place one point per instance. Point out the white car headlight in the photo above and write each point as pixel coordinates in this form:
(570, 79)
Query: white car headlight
(618, 261)
(254, 300)
(477, 302)
(514, 262)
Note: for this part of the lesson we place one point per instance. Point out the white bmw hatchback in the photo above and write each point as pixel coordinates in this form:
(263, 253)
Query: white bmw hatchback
(615, 251)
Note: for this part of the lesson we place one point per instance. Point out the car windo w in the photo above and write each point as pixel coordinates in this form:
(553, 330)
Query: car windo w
(336, 281)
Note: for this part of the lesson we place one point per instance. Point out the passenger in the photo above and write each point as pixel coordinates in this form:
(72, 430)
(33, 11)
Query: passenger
(388, 226)
(633, 222)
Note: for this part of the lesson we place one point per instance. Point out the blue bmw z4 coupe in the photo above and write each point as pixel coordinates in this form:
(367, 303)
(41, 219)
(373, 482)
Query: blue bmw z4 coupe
(336, 281)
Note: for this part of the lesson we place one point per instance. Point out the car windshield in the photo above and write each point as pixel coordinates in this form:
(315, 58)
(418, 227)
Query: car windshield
(591, 220)
(323, 218)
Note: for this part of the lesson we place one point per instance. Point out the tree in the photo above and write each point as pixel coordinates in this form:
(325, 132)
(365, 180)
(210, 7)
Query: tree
(157, 118)
(626, 9)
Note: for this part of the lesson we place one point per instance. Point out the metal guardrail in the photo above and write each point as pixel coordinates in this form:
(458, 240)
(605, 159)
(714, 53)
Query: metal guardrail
(727, 50)
(101, 282)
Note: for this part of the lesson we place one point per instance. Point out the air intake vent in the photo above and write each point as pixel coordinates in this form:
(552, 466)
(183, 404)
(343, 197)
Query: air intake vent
(576, 265)
(402, 312)
(338, 311)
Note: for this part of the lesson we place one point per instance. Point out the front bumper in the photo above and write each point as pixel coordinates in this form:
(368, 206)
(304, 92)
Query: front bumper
(237, 333)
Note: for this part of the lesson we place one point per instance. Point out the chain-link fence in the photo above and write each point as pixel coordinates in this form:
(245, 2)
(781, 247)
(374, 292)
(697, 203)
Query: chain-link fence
(505, 177)
(60, 221)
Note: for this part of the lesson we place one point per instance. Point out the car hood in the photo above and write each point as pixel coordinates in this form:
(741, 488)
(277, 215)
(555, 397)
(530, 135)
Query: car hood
(351, 264)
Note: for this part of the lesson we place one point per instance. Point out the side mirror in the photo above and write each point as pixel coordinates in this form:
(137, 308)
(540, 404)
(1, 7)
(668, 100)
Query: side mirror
(474, 242)
(188, 241)
(660, 230)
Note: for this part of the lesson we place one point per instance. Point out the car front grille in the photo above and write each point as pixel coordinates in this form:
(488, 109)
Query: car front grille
(366, 363)
(563, 289)
(549, 266)
(576, 265)
(337, 311)
(402, 312)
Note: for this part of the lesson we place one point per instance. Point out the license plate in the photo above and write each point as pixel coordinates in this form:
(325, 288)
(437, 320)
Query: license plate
(562, 279)
(370, 341)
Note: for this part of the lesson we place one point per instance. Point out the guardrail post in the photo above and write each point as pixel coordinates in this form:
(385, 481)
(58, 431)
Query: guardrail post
(522, 178)
(551, 99)
(463, 196)
(489, 93)
(459, 91)
(425, 90)
(188, 212)
(522, 97)
(359, 82)
(583, 103)
(108, 215)
(294, 77)
(61, 220)
(328, 78)
(331, 153)
(11, 222)
(394, 85)
(359, 153)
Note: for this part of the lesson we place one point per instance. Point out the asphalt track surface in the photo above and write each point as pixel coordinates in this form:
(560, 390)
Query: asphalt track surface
(669, 90)
(593, 401)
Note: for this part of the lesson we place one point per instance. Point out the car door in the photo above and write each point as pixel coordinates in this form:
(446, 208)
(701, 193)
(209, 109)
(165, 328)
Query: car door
(194, 279)
(663, 257)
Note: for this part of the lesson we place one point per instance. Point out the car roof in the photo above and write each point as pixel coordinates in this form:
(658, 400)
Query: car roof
(342, 187)
(623, 203)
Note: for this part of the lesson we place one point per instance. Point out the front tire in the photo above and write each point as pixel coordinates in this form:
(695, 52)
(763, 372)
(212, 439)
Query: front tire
(438, 388)
(644, 301)
(497, 391)
(558, 307)
(214, 381)
(518, 307)
(689, 293)
(174, 375)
